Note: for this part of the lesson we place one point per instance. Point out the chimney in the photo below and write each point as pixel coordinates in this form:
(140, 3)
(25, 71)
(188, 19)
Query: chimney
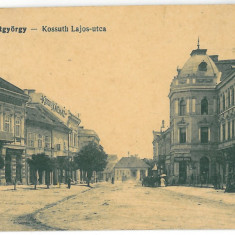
(29, 91)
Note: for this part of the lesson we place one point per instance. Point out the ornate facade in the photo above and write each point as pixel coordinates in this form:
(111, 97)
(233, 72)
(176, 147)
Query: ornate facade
(201, 120)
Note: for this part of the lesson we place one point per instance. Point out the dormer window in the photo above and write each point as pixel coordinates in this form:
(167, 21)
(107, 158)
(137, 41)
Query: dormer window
(202, 66)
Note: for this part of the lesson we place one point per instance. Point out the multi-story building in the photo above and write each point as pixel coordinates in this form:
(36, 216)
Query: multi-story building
(59, 132)
(226, 115)
(161, 149)
(201, 120)
(86, 136)
(12, 135)
(44, 134)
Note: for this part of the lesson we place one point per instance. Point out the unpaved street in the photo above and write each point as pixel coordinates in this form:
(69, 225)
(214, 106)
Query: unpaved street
(127, 206)
(118, 206)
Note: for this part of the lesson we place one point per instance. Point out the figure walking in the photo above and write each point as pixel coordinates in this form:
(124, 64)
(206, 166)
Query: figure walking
(69, 183)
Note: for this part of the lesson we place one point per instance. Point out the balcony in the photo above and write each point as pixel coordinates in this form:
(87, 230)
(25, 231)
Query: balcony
(6, 136)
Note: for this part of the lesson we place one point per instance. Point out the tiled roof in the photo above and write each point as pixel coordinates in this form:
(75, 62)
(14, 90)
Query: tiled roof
(131, 162)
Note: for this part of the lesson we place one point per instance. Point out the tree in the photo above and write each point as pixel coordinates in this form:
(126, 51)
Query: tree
(66, 164)
(91, 158)
(39, 163)
(151, 163)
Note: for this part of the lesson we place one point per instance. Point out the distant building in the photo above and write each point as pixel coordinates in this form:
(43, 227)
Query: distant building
(86, 136)
(130, 168)
(161, 149)
(108, 172)
(201, 121)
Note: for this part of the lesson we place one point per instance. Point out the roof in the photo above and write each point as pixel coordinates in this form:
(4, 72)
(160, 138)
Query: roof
(131, 162)
(8, 86)
(87, 132)
(111, 161)
(37, 113)
(191, 67)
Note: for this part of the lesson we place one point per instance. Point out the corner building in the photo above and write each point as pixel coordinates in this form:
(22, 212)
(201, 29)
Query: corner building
(193, 120)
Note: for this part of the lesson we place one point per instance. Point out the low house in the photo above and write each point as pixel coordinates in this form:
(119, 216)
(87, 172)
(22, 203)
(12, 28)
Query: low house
(130, 168)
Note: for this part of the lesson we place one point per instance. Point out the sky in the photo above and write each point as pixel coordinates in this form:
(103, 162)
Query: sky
(118, 80)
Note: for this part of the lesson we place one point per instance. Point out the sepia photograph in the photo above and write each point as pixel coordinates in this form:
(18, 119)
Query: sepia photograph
(117, 118)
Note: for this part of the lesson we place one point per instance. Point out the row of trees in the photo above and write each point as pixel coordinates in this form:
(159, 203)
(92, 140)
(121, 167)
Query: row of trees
(89, 159)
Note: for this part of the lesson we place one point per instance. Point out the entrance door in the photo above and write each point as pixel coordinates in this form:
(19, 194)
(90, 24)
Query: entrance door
(8, 168)
(182, 172)
(18, 168)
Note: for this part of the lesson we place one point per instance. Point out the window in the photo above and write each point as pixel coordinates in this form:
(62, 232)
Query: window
(58, 147)
(228, 130)
(47, 142)
(223, 130)
(219, 105)
(17, 127)
(202, 66)
(233, 128)
(204, 106)
(39, 141)
(71, 139)
(182, 135)
(223, 102)
(31, 139)
(204, 135)
(74, 140)
(182, 107)
(232, 97)
(228, 98)
(7, 123)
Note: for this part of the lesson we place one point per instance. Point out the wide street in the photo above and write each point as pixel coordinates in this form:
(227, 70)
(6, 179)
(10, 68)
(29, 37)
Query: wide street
(119, 206)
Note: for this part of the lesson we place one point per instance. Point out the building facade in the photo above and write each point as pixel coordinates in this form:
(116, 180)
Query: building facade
(201, 121)
(55, 131)
(12, 133)
(130, 168)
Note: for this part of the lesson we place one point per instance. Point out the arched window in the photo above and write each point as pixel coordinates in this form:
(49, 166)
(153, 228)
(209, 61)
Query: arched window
(204, 106)
(202, 66)
(182, 107)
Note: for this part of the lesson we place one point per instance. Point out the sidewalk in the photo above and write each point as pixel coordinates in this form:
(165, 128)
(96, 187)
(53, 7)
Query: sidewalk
(206, 193)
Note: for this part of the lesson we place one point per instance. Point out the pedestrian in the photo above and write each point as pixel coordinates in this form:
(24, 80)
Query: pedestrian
(69, 183)
(112, 180)
(163, 182)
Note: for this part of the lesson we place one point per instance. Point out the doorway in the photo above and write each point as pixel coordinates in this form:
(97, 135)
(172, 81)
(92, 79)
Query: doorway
(182, 172)
(8, 169)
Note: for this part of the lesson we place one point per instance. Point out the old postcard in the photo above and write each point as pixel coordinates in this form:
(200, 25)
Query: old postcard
(117, 118)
